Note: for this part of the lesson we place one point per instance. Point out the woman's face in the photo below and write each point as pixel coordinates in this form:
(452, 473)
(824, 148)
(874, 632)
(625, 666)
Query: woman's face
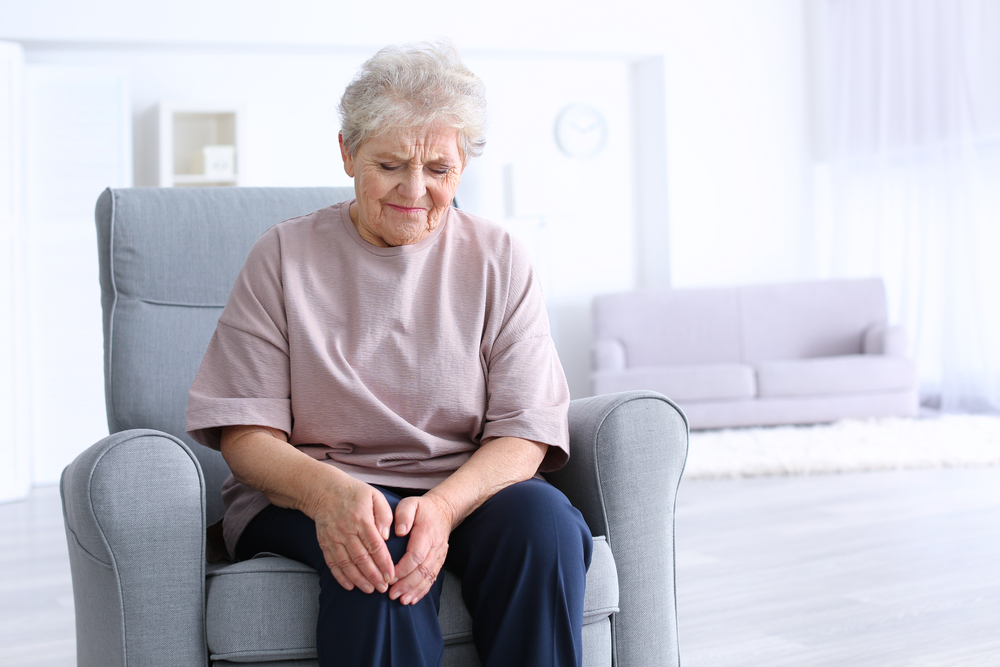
(404, 183)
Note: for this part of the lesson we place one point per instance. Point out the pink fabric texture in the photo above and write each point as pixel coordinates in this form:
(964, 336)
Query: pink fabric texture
(392, 364)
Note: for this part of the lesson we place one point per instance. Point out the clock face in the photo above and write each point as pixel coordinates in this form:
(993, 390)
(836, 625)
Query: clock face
(581, 131)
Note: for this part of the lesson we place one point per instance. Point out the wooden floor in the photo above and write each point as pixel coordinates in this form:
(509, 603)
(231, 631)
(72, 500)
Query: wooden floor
(876, 569)
(880, 569)
(36, 593)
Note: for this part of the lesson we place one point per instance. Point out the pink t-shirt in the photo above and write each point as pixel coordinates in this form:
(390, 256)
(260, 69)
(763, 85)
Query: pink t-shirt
(392, 364)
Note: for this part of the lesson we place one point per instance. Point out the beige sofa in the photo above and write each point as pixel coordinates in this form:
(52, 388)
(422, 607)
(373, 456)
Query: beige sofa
(758, 355)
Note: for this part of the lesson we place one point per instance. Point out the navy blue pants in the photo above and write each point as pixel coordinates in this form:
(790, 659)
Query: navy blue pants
(522, 557)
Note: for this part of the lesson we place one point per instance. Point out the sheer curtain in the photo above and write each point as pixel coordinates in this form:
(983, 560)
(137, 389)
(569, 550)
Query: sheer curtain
(909, 177)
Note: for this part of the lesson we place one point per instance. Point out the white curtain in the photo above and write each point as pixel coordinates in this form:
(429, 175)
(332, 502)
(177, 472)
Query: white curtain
(908, 185)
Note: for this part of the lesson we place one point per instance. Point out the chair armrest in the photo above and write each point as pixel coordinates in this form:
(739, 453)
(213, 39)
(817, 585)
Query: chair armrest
(627, 454)
(886, 339)
(134, 508)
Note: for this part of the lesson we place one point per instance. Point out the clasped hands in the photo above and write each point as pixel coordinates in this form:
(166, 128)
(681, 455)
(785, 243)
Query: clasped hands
(353, 525)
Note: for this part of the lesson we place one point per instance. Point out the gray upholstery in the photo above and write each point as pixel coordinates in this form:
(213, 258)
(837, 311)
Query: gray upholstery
(137, 503)
(789, 353)
(133, 506)
(623, 474)
(168, 260)
(240, 596)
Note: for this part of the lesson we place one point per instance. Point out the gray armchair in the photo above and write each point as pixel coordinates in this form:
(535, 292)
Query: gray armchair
(137, 503)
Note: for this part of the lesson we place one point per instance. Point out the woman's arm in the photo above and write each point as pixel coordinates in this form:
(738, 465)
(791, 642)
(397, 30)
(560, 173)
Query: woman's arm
(429, 519)
(352, 518)
(497, 464)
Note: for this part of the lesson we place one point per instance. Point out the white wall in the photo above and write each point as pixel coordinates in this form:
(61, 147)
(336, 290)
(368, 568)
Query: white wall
(15, 451)
(737, 142)
(576, 215)
(289, 99)
(77, 128)
(532, 26)
(735, 117)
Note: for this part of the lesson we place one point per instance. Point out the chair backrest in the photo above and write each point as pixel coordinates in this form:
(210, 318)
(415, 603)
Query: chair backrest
(168, 260)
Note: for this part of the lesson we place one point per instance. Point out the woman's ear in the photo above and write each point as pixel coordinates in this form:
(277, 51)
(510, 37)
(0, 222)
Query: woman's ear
(348, 160)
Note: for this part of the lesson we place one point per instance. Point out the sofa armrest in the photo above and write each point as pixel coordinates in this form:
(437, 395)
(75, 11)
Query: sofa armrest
(886, 339)
(608, 354)
(134, 509)
(627, 456)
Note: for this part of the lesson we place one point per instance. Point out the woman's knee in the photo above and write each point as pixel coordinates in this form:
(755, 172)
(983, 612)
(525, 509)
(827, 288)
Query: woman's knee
(536, 516)
(540, 505)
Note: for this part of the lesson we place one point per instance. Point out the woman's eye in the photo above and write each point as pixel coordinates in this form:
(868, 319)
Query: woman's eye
(440, 171)
(388, 167)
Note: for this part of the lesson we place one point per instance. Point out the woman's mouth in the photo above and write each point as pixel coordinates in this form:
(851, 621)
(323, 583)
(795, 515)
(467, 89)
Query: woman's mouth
(405, 209)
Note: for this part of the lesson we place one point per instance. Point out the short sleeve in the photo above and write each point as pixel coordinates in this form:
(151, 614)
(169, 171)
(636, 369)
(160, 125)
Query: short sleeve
(244, 376)
(527, 392)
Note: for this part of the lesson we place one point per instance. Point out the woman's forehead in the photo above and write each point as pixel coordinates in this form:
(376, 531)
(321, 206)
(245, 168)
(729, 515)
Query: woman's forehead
(430, 144)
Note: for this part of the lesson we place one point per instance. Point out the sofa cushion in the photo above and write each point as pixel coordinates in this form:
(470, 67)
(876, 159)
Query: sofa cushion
(266, 608)
(691, 326)
(688, 382)
(779, 410)
(809, 319)
(828, 376)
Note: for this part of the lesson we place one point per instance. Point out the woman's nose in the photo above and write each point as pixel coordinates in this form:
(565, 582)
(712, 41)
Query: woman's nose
(413, 187)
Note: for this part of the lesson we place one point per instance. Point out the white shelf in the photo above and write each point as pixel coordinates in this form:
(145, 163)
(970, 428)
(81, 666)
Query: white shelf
(184, 132)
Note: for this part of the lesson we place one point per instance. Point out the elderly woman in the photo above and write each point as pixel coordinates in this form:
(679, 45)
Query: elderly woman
(384, 387)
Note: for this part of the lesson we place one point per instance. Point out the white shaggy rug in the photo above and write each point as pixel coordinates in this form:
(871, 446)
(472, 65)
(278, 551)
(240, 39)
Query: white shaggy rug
(848, 445)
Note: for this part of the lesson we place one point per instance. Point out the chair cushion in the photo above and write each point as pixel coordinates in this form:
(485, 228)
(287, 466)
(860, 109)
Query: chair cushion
(827, 376)
(686, 382)
(266, 608)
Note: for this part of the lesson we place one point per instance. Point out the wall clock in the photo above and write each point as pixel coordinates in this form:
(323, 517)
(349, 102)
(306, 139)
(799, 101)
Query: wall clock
(581, 131)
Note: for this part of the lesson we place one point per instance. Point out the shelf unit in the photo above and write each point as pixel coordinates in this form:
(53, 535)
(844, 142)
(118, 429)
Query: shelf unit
(197, 146)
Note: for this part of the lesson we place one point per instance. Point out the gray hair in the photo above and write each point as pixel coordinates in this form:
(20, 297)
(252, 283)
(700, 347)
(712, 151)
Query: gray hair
(415, 85)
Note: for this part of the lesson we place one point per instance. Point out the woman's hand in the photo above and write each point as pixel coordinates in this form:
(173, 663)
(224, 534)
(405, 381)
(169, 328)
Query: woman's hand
(353, 519)
(430, 518)
(428, 521)
(352, 525)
